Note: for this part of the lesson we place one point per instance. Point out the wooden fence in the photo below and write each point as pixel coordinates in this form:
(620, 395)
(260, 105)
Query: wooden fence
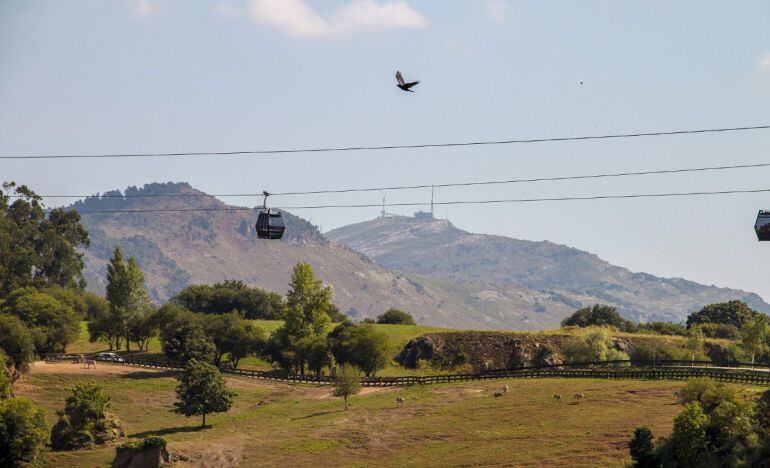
(746, 373)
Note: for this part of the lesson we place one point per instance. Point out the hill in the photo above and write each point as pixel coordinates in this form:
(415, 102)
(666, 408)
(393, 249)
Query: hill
(175, 249)
(440, 252)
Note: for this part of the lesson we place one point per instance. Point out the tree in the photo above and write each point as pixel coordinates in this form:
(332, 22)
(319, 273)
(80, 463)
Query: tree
(102, 327)
(17, 342)
(228, 296)
(307, 305)
(754, 335)
(184, 339)
(396, 316)
(37, 249)
(599, 315)
(6, 382)
(689, 436)
(126, 293)
(232, 335)
(347, 382)
(363, 346)
(85, 420)
(23, 431)
(642, 448)
(144, 327)
(202, 390)
(735, 313)
(53, 325)
(315, 352)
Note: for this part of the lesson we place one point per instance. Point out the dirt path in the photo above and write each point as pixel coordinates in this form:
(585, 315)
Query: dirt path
(102, 368)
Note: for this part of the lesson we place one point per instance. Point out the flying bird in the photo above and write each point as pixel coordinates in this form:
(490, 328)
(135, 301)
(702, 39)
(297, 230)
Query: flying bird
(403, 85)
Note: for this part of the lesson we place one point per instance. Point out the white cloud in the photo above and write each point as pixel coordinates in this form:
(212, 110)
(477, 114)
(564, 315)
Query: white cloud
(226, 10)
(298, 19)
(144, 9)
(496, 10)
(764, 63)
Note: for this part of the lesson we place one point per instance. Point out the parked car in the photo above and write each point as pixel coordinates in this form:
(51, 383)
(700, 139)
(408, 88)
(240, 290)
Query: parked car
(109, 357)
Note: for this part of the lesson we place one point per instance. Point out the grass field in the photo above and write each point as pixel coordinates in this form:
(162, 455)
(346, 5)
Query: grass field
(461, 424)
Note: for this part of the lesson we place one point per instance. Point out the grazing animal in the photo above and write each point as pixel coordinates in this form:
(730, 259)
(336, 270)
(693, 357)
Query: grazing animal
(678, 397)
(88, 363)
(497, 394)
(400, 401)
(556, 397)
(403, 85)
(79, 359)
(578, 396)
(505, 389)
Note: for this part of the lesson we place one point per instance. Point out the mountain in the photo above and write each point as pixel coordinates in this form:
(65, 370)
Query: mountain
(177, 248)
(547, 274)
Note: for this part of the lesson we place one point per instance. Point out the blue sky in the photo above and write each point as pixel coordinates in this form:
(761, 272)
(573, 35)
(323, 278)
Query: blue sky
(171, 75)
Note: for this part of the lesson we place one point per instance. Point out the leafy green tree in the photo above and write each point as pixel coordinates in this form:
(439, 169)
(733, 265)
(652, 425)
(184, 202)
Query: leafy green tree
(347, 382)
(37, 249)
(85, 420)
(23, 431)
(396, 316)
(228, 296)
(642, 448)
(754, 336)
(102, 327)
(6, 390)
(96, 305)
(144, 327)
(689, 436)
(17, 342)
(232, 335)
(315, 352)
(307, 305)
(730, 313)
(599, 315)
(185, 339)
(53, 325)
(363, 346)
(126, 293)
(202, 390)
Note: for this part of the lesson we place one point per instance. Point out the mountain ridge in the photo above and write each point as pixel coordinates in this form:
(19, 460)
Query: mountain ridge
(439, 250)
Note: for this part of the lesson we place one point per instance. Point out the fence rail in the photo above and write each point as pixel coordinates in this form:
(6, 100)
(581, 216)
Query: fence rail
(738, 372)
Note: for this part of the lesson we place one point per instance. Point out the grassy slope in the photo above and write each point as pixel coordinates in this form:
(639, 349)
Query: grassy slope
(461, 423)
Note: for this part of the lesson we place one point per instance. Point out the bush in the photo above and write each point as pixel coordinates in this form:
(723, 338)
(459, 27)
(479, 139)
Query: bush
(23, 431)
(148, 443)
(593, 345)
(662, 328)
(721, 330)
(85, 421)
(657, 351)
(397, 317)
(642, 448)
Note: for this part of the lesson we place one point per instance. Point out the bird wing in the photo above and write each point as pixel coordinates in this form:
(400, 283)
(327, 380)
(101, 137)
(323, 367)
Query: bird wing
(399, 78)
(409, 85)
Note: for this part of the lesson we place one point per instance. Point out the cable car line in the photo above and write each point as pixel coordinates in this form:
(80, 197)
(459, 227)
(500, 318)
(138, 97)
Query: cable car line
(391, 147)
(454, 202)
(423, 186)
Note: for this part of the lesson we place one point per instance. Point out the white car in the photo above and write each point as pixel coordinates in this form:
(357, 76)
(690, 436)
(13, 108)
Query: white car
(109, 357)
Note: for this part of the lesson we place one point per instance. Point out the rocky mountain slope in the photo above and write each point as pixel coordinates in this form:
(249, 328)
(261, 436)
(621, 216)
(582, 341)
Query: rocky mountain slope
(175, 249)
(438, 251)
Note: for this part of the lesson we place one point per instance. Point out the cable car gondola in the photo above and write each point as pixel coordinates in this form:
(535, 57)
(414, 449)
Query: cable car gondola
(270, 223)
(763, 225)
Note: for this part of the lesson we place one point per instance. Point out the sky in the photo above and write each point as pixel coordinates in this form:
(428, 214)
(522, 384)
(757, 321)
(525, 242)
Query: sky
(115, 76)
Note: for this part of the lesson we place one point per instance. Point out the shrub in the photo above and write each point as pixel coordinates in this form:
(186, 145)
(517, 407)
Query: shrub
(642, 448)
(721, 330)
(662, 328)
(147, 443)
(656, 351)
(593, 345)
(23, 431)
(85, 421)
(396, 316)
